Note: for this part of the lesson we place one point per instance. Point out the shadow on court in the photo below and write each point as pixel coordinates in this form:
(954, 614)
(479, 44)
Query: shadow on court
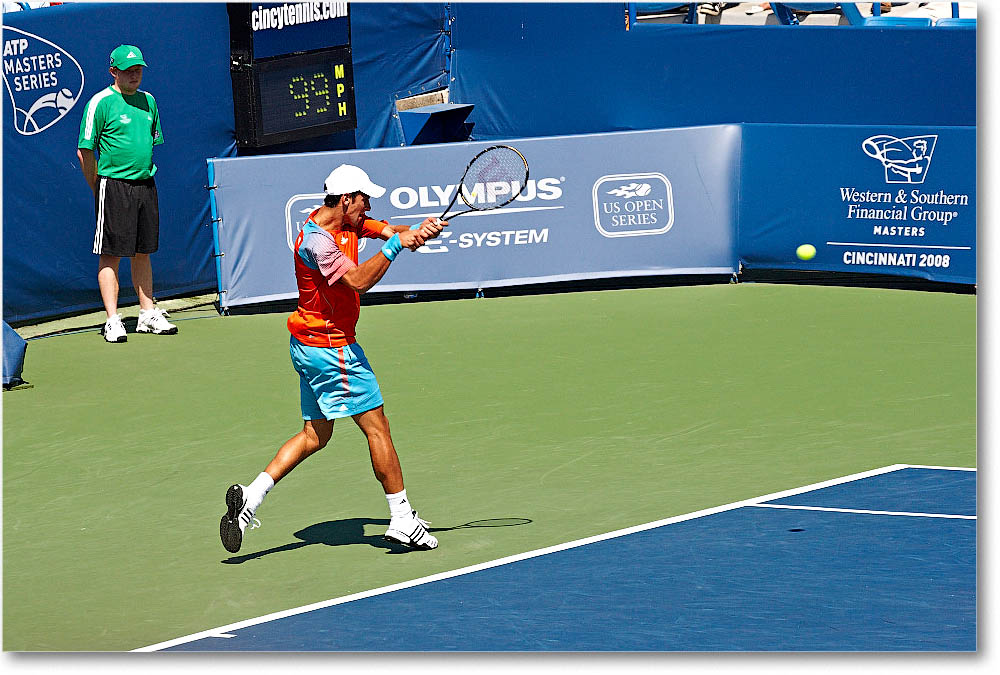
(351, 531)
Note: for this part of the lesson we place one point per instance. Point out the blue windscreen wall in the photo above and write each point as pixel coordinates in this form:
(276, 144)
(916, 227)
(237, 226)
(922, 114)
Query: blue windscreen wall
(545, 69)
(400, 49)
(700, 200)
(48, 209)
(871, 199)
(596, 206)
(531, 70)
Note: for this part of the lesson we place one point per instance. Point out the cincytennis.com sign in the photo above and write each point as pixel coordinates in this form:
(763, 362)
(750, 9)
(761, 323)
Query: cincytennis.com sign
(266, 17)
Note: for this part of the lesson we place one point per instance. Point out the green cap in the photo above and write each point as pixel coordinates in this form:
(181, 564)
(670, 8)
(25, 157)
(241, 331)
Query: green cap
(126, 56)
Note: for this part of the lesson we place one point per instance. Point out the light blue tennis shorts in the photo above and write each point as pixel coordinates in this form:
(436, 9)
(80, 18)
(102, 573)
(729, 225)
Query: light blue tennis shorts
(334, 381)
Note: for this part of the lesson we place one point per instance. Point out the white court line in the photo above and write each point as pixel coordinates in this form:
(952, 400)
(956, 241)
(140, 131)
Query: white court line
(516, 558)
(855, 243)
(940, 468)
(878, 513)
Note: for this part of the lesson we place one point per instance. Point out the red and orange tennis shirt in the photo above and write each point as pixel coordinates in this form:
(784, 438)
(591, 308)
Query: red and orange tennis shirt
(328, 312)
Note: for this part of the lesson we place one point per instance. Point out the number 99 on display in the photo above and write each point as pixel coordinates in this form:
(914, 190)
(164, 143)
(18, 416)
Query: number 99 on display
(312, 91)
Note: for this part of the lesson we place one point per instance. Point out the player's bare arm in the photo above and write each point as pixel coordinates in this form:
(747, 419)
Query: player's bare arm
(390, 230)
(368, 273)
(89, 166)
(430, 228)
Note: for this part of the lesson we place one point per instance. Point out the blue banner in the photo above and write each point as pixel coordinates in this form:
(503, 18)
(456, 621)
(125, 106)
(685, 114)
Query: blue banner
(51, 69)
(881, 200)
(532, 70)
(596, 206)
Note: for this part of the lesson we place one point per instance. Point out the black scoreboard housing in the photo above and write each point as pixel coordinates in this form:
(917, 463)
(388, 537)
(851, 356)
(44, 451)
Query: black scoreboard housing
(260, 122)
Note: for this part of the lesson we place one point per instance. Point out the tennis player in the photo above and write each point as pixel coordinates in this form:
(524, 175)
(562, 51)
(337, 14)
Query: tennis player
(335, 378)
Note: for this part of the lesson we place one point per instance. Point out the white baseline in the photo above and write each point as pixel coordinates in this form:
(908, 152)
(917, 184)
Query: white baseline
(877, 513)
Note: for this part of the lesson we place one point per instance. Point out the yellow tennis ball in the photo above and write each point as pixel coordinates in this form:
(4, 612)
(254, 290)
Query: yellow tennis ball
(806, 252)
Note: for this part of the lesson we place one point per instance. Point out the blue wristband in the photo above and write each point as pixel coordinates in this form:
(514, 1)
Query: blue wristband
(415, 227)
(392, 247)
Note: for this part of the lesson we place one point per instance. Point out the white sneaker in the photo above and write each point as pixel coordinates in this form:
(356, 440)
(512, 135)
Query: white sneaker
(238, 515)
(154, 321)
(411, 531)
(114, 329)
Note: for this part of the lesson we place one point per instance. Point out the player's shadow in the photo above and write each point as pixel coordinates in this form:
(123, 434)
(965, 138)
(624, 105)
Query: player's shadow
(352, 531)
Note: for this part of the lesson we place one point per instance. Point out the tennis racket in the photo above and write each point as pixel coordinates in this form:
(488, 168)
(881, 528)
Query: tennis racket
(494, 178)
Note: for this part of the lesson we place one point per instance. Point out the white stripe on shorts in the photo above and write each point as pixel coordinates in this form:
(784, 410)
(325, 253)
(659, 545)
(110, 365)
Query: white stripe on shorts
(99, 235)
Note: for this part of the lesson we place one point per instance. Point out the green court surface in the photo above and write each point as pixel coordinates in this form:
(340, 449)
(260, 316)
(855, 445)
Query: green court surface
(531, 420)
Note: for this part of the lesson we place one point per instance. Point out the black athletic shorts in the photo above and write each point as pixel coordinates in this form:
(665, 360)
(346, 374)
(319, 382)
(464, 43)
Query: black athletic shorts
(128, 217)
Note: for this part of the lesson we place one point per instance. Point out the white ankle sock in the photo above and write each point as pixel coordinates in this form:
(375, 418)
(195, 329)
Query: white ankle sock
(258, 489)
(398, 504)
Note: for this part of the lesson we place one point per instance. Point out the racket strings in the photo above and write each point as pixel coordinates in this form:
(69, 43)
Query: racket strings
(494, 179)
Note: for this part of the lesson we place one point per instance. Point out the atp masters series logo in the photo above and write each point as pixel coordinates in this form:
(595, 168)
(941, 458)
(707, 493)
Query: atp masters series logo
(633, 204)
(42, 79)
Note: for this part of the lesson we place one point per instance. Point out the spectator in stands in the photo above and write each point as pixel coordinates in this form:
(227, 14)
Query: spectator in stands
(122, 123)
(12, 6)
(712, 8)
(884, 7)
(936, 10)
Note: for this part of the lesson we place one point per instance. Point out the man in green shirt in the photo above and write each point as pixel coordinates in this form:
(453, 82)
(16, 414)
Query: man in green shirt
(122, 124)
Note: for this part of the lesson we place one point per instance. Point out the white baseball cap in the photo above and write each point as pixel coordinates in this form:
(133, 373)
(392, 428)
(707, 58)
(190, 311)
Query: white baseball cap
(347, 178)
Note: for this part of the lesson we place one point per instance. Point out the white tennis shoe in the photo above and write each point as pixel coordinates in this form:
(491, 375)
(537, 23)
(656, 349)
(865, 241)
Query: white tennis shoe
(114, 329)
(410, 530)
(238, 515)
(154, 321)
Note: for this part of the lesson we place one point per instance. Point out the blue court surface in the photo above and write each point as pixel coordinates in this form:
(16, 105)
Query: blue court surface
(879, 561)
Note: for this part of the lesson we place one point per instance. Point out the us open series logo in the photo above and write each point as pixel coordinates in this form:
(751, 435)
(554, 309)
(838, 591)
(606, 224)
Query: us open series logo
(633, 205)
(43, 80)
